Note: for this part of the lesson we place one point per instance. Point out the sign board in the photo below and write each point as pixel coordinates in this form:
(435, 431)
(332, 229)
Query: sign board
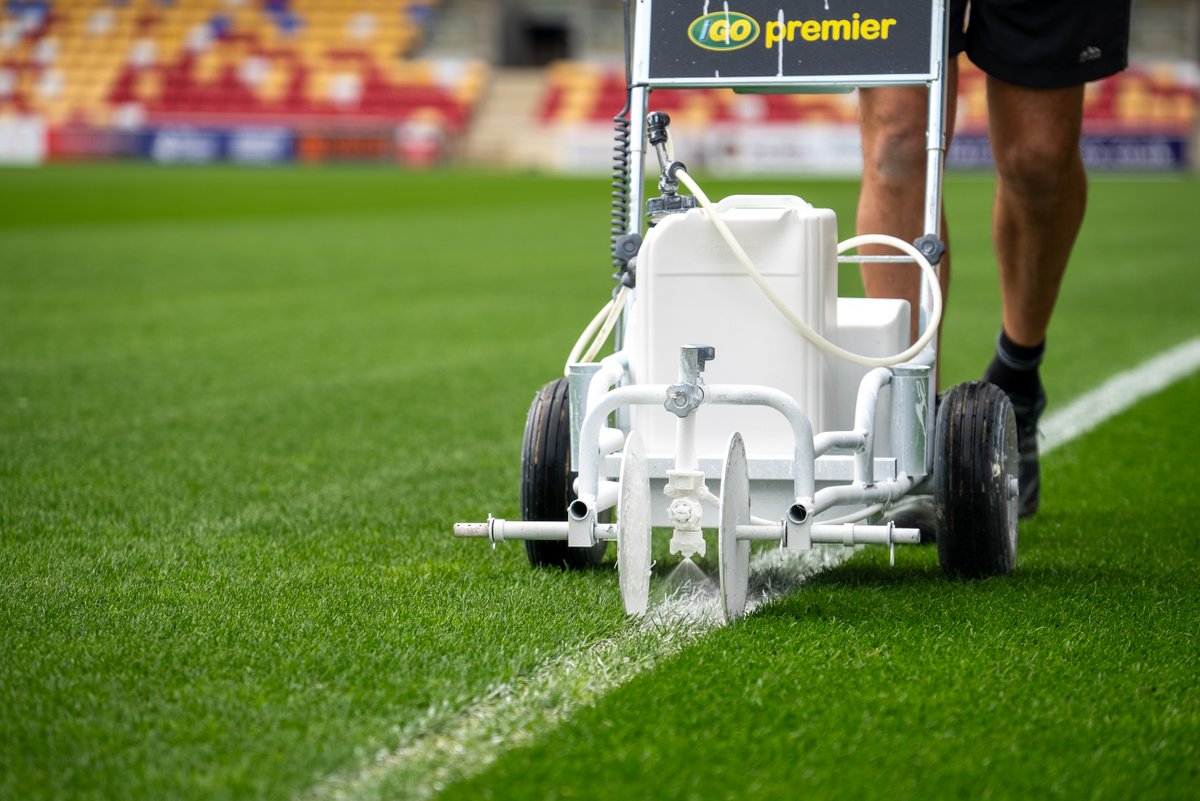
(1127, 152)
(183, 145)
(772, 42)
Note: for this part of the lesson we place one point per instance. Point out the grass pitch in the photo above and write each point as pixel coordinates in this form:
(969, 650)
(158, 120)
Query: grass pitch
(1075, 678)
(240, 409)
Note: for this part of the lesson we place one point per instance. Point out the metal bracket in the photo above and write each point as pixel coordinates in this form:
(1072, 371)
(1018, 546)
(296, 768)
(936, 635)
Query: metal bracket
(797, 526)
(692, 359)
(659, 207)
(685, 397)
(626, 247)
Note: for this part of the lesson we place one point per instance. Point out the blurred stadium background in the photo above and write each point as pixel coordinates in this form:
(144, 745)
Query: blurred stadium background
(519, 83)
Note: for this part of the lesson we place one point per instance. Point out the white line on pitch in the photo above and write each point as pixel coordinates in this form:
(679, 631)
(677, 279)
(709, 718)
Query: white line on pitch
(1119, 393)
(447, 746)
(450, 745)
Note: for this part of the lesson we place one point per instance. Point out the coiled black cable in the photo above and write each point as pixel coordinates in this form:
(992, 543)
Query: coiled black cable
(620, 183)
(619, 216)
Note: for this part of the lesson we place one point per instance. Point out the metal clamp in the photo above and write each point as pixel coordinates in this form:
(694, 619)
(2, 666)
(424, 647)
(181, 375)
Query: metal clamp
(683, 399)
(931, 247)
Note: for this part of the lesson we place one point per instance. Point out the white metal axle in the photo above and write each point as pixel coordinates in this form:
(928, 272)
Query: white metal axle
(499, 530)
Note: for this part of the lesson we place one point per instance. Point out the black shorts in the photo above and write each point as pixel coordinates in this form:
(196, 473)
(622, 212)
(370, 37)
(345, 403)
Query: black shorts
(1042, 44)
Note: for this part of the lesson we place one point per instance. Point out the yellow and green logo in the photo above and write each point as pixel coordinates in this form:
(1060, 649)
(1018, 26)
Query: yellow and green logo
(723, 30)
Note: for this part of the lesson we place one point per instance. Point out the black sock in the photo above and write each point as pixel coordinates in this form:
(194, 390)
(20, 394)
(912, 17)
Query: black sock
(1015, 369)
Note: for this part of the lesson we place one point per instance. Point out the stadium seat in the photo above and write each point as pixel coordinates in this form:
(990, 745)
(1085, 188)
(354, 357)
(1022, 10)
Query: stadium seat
(185, 60)
(1158, 96)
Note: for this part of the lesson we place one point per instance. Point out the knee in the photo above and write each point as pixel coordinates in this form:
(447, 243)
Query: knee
(893, 135)
(1039, 168)
(894, 152)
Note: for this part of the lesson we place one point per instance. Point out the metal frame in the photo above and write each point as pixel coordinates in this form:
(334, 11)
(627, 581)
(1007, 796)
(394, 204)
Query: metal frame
(844, 460)
(935, 136)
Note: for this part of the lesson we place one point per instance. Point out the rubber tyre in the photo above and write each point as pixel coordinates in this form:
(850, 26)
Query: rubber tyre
(547, 480)
(974, 469)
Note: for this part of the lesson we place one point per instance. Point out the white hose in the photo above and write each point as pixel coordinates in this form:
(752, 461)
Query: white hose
(618, 303)
(604, 320)
(854, 517)
(812, 336)
(588, 333)
(611, 313)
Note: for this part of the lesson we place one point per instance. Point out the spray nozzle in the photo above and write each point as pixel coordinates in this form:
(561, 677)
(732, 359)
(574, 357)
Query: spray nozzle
(670, 201)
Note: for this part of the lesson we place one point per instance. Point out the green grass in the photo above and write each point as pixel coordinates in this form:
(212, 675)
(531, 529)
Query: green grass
(239, 411)
(1075, 678)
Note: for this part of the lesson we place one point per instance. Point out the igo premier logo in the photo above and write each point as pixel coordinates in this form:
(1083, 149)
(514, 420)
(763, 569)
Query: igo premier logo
(724, 30)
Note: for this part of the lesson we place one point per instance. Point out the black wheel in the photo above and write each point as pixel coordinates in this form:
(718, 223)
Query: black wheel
(975, 482)
(547, 480)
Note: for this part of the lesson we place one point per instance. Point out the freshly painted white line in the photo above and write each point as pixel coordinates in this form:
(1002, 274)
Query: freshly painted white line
(449, 745)
(450, 748)
(1118, 394)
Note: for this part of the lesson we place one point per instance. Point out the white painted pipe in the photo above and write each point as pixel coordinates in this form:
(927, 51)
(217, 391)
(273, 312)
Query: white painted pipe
(606, 497)
(499, 530)
(854, 494)
(685, 443)
(612, 369)
(864, 421)
(856, 534)
(589, 437)
(803, 456)
(612, 440)
(828, 441)
(843, 533)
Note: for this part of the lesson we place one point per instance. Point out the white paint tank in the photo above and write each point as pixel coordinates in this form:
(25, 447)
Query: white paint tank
(691, 290)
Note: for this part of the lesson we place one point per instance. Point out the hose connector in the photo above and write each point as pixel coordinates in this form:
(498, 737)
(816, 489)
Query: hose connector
(669, 201)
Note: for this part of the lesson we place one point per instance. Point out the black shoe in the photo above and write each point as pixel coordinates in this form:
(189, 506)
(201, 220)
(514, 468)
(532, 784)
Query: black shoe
(1029, 475)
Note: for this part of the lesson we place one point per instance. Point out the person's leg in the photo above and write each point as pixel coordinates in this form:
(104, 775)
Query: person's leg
(1041, 194)
(892, 201)
(892, 198)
